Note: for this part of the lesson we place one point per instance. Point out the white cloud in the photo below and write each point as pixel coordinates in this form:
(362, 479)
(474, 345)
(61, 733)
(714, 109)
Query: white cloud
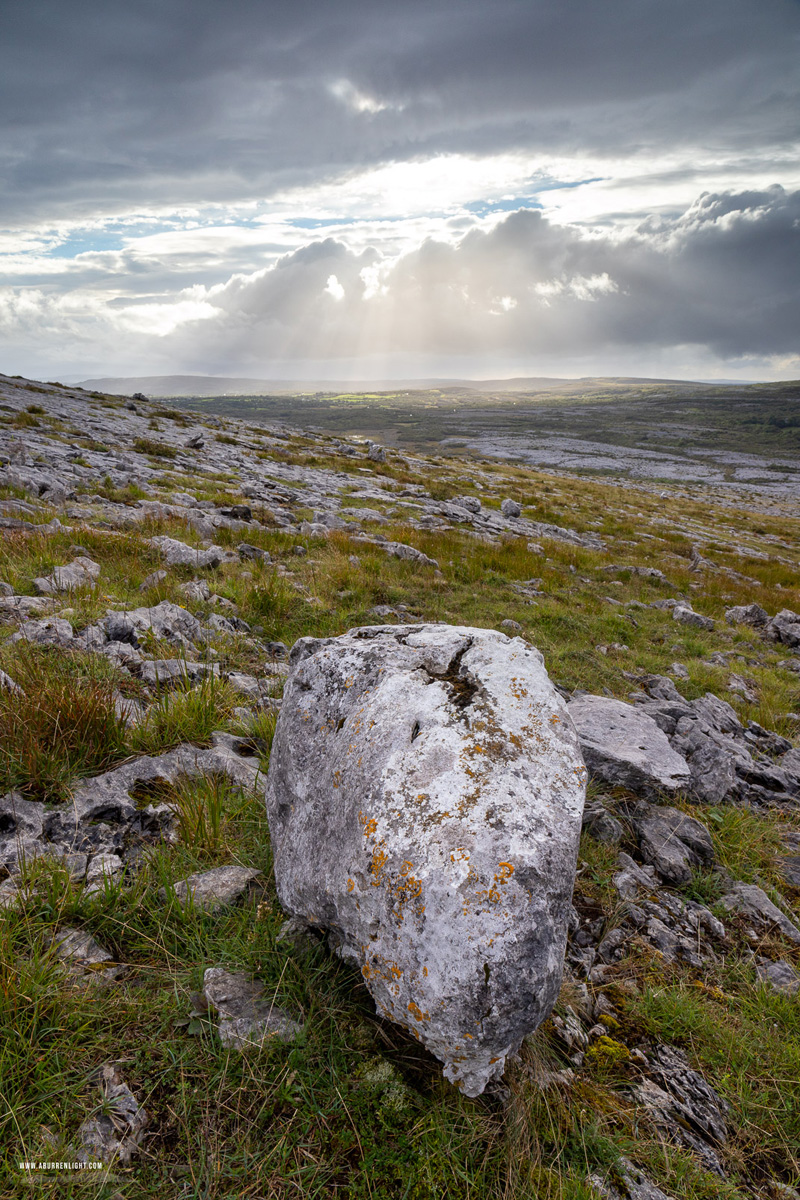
(334, 288)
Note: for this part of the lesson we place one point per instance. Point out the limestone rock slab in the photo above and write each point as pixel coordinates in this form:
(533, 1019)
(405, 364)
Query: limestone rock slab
(625, 747)
(425, 795)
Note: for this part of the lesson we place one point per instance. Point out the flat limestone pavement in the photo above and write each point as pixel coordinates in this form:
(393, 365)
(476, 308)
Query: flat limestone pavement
(425, 795)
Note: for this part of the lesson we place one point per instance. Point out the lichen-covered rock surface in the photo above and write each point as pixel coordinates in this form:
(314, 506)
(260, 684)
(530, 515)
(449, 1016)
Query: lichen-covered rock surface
(425, 795)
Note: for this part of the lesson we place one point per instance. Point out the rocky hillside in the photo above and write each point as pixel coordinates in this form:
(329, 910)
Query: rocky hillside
(166, 1024)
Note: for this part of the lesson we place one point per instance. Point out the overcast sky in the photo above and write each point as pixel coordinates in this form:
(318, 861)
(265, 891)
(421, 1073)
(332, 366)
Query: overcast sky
(395, 188)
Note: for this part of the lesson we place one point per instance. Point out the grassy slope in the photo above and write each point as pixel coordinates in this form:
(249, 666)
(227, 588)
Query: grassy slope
(355, 1108)
(668, 417)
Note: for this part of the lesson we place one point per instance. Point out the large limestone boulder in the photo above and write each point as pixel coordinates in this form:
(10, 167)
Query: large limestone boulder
(425, 795)
(625, 747)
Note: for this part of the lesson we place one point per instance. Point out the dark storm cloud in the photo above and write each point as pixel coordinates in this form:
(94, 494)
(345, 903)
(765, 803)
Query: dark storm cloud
(109, 105)
(721, 277)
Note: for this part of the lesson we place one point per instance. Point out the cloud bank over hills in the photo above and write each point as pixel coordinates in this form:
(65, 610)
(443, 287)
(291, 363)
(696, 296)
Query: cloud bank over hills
(441, 188)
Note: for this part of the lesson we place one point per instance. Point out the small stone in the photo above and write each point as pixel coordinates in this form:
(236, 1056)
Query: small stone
(247, 1018)
(780, 977)
(687, 616)
(178, 554)
(602, 826)
(248, 553)
(85, 957)
(53, 631)
(673, 842)
(152, 580)
(115, 1134)
(747, 614)
(7, 684)
(511, 626)
(753, 902)
(510, 508)
(218, 888)
(409, 553)
(83, 572)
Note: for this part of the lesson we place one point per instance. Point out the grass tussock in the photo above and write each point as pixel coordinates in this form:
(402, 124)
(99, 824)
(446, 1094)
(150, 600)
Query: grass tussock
(186, 714)
(63, 726)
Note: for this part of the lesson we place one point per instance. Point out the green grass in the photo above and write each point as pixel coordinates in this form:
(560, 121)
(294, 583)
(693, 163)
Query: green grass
(356, 1108)
(64, 726)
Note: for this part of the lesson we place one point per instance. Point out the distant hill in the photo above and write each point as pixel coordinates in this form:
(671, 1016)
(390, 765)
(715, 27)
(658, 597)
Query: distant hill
(230, 385)
(226, 385)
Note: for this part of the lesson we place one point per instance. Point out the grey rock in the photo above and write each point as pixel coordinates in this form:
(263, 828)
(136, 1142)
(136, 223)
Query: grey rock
(673, 842)
(790, 869)
(409, 553)
(7, 684)
(221, 624)
(248, 553)
(624, 1181)
(153, 580)
(239, 512)
(10, 893)
(246, 684)
(424, 796)
(631, 878)
(247, 1017)
(780, 976)
(106, 811)
(625, 747)
(103, 869)
(684, 1105)
(85, 957)
(511, 626)
(118, 627)
(159, 672)
(114, 1136)
(470, 503)
(713, 773)
(376, 453)
(129, 710)
(83, 572)
(743, 687)
(569, 1031)
(747, 614)
(196, 590)
(686, 615)
(21, 830)
(178, 554)
(510, 508)
(52, 631)
(167, 622)
(784, 627)
(218, 888)
(602, 826)
(753, 902)
(26, 606)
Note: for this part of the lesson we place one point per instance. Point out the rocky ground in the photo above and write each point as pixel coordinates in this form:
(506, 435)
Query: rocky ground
(160, 1014)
